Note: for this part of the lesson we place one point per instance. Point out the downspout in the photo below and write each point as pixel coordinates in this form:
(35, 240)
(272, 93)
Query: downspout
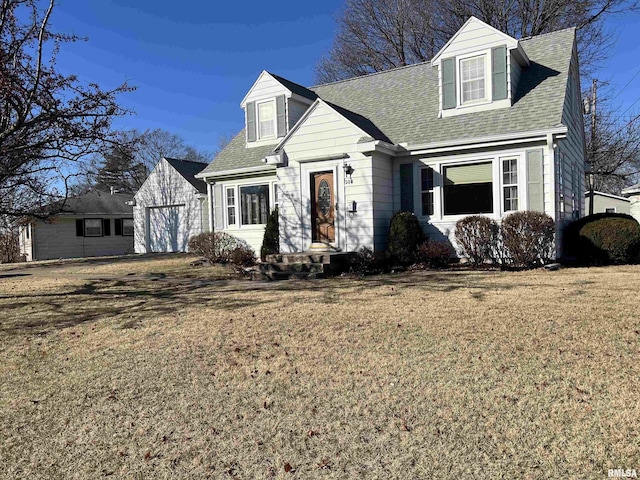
(344, 209)
(211, 205)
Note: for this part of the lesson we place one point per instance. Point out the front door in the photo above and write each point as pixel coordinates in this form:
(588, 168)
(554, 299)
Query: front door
(323, 207)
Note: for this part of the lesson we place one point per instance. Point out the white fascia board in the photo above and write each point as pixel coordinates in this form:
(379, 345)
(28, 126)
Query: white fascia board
(511, 42)
(481, 142)
(264, 73)
(379, 146)
(610, 195)
(634, 190)
(236, 172)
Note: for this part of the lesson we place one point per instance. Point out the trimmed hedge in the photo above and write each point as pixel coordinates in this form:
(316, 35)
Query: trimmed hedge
(405, 234)
(606, 241)
(478, 237)
(596, 247)
(220, 247)
(527, 238)
(435, 254)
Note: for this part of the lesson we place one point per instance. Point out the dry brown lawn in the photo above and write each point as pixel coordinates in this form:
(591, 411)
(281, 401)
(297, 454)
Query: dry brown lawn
(421, 375)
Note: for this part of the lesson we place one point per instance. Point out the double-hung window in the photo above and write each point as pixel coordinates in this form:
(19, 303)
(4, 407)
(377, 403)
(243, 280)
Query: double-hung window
(426, 180)
(472, 79)
(93, 227)
(510, 184)
(267, 119)
(231, 206)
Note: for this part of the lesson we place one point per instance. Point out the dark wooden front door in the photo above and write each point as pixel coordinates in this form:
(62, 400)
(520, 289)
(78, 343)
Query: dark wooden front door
(323, 207)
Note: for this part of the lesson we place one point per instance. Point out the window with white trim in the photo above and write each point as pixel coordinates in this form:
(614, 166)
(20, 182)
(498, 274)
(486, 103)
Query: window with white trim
(472, 79)
(267, 119)
(426, 182)
(510, 184)
(254, 204)
(231, 206)
(93, 227)
(127, 227)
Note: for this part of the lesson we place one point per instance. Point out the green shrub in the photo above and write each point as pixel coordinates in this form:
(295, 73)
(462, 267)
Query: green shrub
(577, 249)
(220, 247)
(610, 241)
(271, 240)
(478, 237)
(435, 254)
(405, 234)
(527, 238)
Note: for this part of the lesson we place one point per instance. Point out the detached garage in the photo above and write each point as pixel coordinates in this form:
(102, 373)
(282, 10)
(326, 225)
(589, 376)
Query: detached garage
(170, 207)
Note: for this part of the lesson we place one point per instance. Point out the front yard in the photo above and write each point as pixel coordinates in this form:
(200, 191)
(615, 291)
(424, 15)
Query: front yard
(417, 375)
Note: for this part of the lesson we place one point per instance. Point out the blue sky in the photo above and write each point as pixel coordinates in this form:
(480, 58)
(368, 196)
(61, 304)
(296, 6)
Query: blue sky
(193, 61)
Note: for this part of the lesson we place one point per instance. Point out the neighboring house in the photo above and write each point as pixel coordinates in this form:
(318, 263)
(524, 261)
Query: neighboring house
(490, 126)
(634, 200)
(170, 207)
(607, 203)
(90, 225)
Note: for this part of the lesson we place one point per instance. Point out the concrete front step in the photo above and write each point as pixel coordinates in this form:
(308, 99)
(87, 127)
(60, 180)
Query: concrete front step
(305, 265)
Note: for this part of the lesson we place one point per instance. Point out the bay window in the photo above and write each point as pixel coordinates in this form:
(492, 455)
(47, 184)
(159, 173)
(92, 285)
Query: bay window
(468, 189)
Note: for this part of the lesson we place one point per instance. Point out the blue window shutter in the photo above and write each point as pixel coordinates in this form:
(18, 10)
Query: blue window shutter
(499, 72)
(448, 83)
(281, 112)
(251, 122)
(406, 187)
(535, 180)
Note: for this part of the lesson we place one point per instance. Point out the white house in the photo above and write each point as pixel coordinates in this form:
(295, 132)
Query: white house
(633, 193)
(607, 203)
(170, 207)
(490, 126)
(92, 224)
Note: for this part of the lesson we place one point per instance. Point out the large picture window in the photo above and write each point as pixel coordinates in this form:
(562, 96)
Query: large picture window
(472, 79)
(468, 189)
(254, 203)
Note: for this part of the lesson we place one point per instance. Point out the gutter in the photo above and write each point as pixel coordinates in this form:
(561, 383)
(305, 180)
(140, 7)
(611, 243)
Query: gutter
(236, 172)
(403, 149)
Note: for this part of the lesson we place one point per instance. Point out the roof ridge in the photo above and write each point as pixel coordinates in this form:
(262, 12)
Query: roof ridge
(394, 69)
(548, 33)
(185, 160)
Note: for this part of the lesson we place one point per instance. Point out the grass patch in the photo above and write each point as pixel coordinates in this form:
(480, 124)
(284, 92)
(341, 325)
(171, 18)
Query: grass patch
(418, 375)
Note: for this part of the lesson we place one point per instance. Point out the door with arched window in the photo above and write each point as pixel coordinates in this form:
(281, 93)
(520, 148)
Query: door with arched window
(323, 208)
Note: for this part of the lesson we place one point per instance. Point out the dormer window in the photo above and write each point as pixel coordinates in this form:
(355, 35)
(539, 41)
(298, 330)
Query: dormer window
(472, 79)
(266, 119)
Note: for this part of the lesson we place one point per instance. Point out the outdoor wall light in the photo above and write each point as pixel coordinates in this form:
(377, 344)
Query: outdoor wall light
(348, 171)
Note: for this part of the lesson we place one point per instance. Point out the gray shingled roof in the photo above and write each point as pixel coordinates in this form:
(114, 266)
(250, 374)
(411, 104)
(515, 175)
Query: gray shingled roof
(188, 170)
(99, 203)
(295, 88)
(401, 105)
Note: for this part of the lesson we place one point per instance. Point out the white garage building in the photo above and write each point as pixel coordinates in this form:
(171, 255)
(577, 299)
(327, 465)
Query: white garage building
(170, 207)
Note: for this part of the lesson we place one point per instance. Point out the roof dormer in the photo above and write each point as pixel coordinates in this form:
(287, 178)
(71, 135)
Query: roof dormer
(272, 107)
(478, 69)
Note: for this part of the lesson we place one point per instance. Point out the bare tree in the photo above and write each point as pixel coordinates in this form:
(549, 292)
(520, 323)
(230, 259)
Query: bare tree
(47, 119)
(376, 35)
(126, 165)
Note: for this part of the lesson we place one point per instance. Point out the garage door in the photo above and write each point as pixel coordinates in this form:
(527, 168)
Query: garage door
(168, 229)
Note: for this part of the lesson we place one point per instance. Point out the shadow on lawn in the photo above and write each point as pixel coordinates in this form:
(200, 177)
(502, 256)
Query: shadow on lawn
(137, 301)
